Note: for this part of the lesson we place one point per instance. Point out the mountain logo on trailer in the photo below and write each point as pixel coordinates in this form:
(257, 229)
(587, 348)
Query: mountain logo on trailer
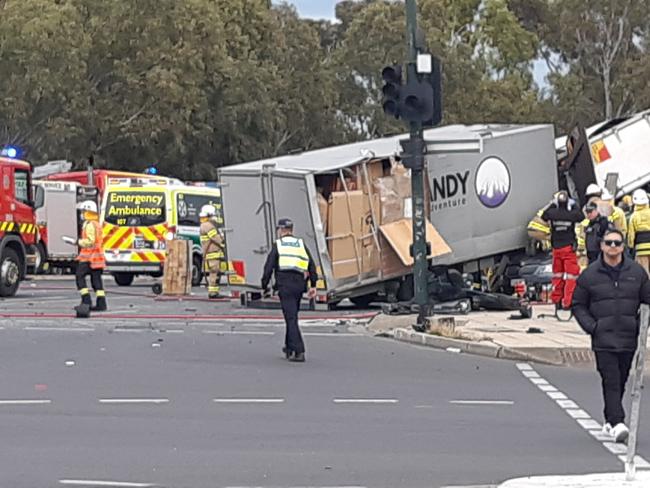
(492, 182)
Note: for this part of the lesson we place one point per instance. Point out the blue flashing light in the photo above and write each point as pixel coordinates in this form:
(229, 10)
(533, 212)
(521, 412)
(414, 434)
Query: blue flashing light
(10, 152)
(151, 170)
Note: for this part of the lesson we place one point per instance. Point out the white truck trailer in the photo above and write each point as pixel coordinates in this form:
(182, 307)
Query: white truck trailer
(484, 184)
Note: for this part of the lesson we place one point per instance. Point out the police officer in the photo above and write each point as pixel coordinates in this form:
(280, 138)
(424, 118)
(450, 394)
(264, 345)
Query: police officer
(212, 247)
(594, 231)
(90, 261)
(293, 265)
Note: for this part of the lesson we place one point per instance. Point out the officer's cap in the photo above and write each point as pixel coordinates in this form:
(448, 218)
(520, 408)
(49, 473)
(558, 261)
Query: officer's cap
(285, 224)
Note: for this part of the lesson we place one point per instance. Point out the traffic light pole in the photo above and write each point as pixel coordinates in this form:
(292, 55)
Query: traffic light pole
(419, 247)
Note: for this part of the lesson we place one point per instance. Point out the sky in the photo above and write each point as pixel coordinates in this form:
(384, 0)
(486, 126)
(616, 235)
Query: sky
(316, 9)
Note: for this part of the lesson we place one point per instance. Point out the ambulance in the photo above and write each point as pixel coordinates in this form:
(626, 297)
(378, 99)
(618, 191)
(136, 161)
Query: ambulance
(139, 215)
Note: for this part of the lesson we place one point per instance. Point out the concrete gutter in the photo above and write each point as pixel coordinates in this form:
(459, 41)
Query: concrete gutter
(543, 355)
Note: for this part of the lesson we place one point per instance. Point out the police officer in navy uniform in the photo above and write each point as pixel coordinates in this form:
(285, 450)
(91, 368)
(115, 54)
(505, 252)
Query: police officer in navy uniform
(293, 266)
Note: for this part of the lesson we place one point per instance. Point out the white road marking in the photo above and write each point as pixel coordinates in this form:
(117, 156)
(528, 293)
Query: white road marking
(547, 388)
(25, 402)
(583, 418)
(174, 331)
(367, 400)
(577, 413)
(424, 406)
(530, 374)
(556, 395)
(248, 400)
(538, 381)
(116, 484)
(155, 401)
(482, 402)
(237, 332)
(567, 404)
(61, 329)
(332, 334)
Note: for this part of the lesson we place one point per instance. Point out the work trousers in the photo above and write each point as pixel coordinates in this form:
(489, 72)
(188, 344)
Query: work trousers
(614, 369)
(290, 301)
(644, 261)
(213, 269)
(565, 274)
(84, 270)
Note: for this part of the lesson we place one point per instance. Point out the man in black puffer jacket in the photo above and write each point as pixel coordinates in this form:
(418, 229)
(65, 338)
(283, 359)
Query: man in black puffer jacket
(606, 304)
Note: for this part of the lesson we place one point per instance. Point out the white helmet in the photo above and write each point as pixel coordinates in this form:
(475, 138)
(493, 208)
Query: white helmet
(88, 206)
(606, 196)
(640, 197)
(593, 190)
(207, 211)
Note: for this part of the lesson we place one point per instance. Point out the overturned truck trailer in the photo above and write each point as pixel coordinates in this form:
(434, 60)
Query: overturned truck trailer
(352, 205)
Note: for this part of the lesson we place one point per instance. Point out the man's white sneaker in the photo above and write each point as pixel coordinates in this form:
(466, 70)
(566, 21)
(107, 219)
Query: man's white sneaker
(620, 433)
(607, 429)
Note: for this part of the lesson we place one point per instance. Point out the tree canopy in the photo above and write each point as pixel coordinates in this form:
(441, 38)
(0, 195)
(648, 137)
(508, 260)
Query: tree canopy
(196, 84)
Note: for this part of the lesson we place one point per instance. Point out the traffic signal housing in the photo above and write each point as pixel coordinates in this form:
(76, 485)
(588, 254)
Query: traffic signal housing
(392, 90)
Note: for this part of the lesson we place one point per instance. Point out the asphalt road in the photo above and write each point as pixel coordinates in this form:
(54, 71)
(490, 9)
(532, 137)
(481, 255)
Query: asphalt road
(212, 403)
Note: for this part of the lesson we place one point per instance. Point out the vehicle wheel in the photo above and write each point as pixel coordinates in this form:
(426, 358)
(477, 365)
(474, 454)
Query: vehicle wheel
(197, 273)
(406, 290)
(9, 273)
(157, 288)
(124, 279)
(364, 300)
(41, 264)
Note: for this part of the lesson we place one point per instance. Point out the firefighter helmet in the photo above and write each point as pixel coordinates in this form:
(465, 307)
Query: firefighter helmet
(593, 190)
(88, 206)
(207, 211)
(640, 197)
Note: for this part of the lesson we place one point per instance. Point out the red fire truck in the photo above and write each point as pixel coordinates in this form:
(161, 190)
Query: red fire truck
(18, 230)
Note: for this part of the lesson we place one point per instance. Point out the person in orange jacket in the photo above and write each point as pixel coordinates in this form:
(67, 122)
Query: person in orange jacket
(90, 261)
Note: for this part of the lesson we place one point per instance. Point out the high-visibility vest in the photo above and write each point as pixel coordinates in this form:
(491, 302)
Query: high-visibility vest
(94, 253)
(292, 254)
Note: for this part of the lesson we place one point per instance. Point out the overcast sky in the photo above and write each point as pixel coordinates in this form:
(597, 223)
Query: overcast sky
(317, 9)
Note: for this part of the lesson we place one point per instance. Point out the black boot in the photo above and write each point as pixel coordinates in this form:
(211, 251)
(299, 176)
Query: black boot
(298, 357)
(287, 352)
(101, 305)
(83, 309)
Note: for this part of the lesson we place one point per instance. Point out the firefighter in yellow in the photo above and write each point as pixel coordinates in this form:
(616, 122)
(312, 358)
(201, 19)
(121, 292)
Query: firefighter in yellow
(539, 230)
(90, 261)
(212, 246)
(638, 236)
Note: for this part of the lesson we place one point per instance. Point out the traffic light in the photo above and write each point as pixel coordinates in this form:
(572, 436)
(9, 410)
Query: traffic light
(392, 90)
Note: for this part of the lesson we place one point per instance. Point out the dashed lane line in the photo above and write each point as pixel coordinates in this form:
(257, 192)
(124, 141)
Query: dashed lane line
(113, 484)
(249, 400)
(482, 402)
(579, 415)
(370, 401)
(26, 402)
(238, 332)
(134, 401)
(60, 329)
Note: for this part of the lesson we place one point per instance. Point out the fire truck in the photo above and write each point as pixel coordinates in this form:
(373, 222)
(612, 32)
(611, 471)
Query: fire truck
(18, 230)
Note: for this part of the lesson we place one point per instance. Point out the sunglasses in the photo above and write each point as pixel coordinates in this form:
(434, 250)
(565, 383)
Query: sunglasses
(613, 242)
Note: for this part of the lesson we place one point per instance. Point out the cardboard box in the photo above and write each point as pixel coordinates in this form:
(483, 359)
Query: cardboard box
(375, 171)
(352, 246)
(395, 194)
(400, 237)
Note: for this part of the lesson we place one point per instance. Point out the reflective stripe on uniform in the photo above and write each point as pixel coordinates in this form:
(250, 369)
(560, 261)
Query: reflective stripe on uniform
(214, 256)
(539, 227)
(213, 289)
(292, 255)
(100, 293)
(84, 291)
(212, 233)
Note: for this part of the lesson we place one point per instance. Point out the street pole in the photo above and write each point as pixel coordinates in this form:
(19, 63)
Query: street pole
(637, 389)
(419, 247)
